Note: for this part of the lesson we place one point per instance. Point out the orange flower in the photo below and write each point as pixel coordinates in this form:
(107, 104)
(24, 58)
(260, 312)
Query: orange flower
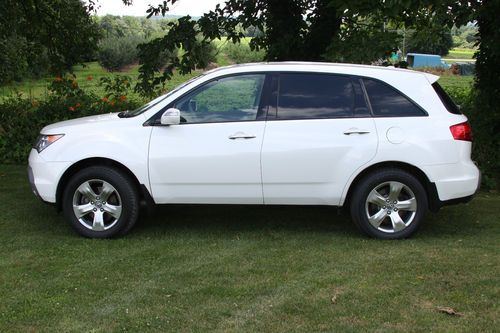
(74, 84)
(104, 99)
(123, 98)
(89, 78)
(112, 103)
(58, 79)
(77, 105)
(71, 108)
(34, 103)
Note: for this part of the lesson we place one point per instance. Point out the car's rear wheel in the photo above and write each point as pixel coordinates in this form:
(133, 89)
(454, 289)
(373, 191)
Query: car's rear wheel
(389, 204)
(100, 202)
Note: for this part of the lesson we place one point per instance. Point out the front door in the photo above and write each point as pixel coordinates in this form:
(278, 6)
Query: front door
(213, 156)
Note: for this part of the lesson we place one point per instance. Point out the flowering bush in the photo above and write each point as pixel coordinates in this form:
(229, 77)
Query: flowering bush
(22, 118)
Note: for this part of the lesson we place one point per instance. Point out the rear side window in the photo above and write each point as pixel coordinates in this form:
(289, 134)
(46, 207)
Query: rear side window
(446, 99)
(314, 96)
(388, 102)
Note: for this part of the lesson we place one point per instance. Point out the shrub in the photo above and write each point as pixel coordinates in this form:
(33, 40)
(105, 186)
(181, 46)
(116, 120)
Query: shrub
(116, 53)
(241, 53)
(205, 52)
(21, 118)
(484, 149)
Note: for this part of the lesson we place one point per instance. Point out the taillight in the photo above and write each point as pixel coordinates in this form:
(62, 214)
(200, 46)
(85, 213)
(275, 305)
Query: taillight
(461, 131)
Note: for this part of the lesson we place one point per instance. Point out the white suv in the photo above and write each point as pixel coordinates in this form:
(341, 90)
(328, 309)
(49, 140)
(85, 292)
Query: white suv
(387, 143)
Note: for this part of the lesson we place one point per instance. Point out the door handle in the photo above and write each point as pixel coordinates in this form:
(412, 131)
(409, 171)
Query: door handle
(355, 131)
(241, 135)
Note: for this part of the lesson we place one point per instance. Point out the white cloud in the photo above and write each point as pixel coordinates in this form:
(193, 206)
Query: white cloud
(139, 7)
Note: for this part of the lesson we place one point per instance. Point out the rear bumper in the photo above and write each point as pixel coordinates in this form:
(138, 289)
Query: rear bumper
(436, 204)
(454, 181)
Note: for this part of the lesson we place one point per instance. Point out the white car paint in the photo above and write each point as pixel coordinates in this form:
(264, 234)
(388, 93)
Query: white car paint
(288, 161)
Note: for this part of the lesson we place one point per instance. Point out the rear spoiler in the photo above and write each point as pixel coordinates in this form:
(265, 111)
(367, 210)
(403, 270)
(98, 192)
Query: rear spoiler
(431, 77)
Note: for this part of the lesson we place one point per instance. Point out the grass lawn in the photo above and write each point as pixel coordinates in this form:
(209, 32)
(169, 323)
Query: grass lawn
(252, 269)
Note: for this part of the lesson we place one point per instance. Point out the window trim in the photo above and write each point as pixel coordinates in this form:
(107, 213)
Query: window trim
(264, 99)
(424, 113)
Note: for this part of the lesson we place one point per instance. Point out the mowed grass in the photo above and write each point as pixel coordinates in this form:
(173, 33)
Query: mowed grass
(250, 269)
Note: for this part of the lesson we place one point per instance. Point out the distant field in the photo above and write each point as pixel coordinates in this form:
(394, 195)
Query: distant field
(460, 54)
(87, 76)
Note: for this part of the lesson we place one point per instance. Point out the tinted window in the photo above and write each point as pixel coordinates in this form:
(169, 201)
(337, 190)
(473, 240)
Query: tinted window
(388, 102)
(233, 98)
(360, 106)
(309, 96)
(446, 99)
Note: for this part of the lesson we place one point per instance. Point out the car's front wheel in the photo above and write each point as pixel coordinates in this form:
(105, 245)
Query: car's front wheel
(389, 204)
(100, 202)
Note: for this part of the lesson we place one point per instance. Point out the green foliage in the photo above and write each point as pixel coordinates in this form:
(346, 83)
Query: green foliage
(465, 36)
(126, 26)
(242, 53)
(205, 51)
(487, 106)
(430, 39)
(44, 35)
(21, 119)
(116, 53)
(362, 43)
(117, 86)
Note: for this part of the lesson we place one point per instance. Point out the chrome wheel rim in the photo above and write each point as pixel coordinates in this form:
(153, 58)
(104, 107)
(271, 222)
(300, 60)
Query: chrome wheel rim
(97, 205)
(391, 207)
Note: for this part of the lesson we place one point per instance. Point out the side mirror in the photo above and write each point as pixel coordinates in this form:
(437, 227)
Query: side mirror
(171, 117)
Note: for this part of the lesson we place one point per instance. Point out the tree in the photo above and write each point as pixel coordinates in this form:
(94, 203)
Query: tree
(432, 39)
(486, 117)
(293, 29)
(61, 33)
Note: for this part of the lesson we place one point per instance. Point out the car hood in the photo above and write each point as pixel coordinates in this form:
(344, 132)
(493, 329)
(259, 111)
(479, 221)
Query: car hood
(102, 119)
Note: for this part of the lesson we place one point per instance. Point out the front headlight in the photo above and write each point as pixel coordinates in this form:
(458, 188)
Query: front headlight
(43, 141)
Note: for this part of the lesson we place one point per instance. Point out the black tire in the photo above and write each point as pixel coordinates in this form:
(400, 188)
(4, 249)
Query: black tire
(110, 224)
(382, 186)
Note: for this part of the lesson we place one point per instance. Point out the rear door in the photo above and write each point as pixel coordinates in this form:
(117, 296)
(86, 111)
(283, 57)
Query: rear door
(319, 131)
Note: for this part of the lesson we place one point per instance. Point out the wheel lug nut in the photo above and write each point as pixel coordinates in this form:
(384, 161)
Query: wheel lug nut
(388, 200)
(395, 202)
(97, 198)
(91, 202)
(95, 209)
(102, 210)
(389, 212)
(384, 207)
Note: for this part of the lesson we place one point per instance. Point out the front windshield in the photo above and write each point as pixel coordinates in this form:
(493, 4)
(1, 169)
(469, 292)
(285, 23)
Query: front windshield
(159, 99)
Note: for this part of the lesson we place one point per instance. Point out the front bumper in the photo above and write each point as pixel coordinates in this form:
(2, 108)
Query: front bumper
(31, 179)
(44, 176)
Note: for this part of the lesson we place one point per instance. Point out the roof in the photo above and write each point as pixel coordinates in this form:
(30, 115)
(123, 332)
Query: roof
(341, 68)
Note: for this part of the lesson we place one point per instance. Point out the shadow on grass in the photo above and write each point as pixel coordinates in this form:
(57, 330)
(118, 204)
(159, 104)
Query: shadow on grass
(245, 218)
